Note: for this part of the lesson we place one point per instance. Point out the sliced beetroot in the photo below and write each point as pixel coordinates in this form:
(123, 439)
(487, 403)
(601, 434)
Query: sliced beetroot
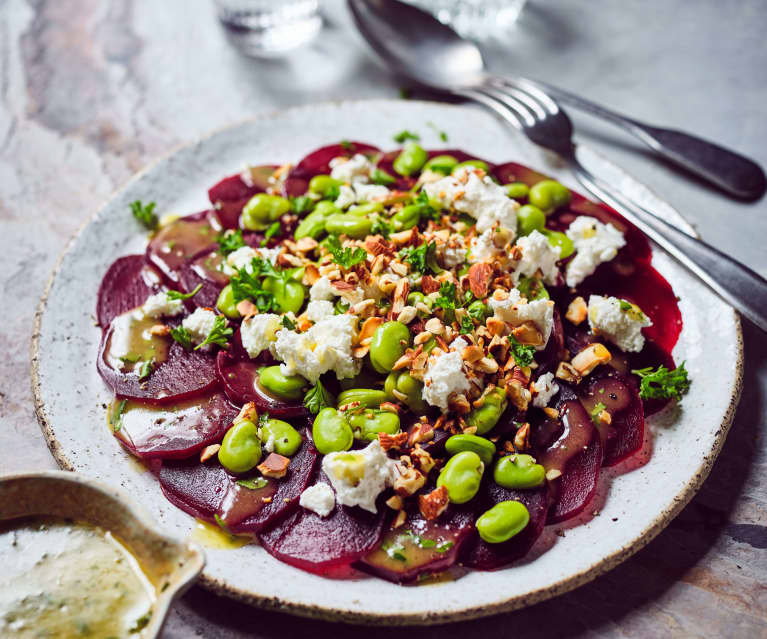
(173, 432)
(322, 544)
(203, 269)
(177, 242)
(194, 487)
(577, 484)
(318, 163)
(420, 547)
(232, 193)
(240, 379)
(177, 376)
(484, 556)
(548, 359)
(512, 172)
(126, 285)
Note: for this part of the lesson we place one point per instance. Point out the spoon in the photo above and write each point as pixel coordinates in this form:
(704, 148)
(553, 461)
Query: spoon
(417, 45)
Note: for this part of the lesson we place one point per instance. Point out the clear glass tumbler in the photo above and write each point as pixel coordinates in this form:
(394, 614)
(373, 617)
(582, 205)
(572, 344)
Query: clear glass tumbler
(479, 19)
(269, 28)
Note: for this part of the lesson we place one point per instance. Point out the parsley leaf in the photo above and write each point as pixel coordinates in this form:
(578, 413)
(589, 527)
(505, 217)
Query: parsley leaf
(140, 623)
(274, 229)
(146, 370)
(405, 135)
(444, 547)
(442, 135)
(597, 411)
(246, 285)
(288, 323)
(182, 336)
(523, 355)
(222, 525)
(253, 484)
(219, 334)
(425, 209)
(230, 242)
(467, 326)
(663, 383)
(176, 295)
(317, 398)
(301, 204)
(345, 257)
(145, 214)
(421, 258)
(381, 226)
(378, 176)
(625, 306)
(117, 415)
(446, 298)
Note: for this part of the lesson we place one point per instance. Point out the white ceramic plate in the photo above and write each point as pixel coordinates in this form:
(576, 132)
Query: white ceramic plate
(634, 506)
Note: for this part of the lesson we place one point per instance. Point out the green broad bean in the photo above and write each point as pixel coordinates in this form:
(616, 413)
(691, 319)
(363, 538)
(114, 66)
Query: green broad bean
(518, 471)
(341, 306)
(412, 157)
(387, 345)
(288, 295)
(331, 432)
(530, 218)
(241, 448)
(365, 208)
(461, 476)
(323, 185)
(549, 195)
(561, 240)
(226, 304)
(485, 417)
(416, 297)
(407, 217)
(313, 225)
(483, 447)
(502, 521)
(441, 164)
(351, 225)
(367, 397)
(532, 288)
(263, 209)
(517, 190)
(477, 164)
(405, 384)
(367, 424)
(283, 386)
(286, 439)
(479, 311)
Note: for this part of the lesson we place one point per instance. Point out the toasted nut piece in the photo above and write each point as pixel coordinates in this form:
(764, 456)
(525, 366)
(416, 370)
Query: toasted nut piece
(472, 354)
(522, 437)
(247, 413)
(528, 334)
(521, 374)
(387, 283)
(551, 412)
(553, 474)
(392, 442)
(403, 238)
(161, 330)
(422, 338)
(274, 466)
(286, 260)
(395, 502)
(389, 407)
(577, 311)
(479, 279)
(409, 482)
(589, 358)
(209, 451)
(435, 326)
(605, 417)
(459, 403)
(433, 504)
(566, 372)
(364, 308)
(422, 459)
(518, 394)
(495, 325)
(486, 365)
(379, 261)
(399, 520)
(400, 295)
(421, 433)
(407, 314)
(376, 245)
(246, 308)
(399, 268)
(429, 285)
(369, 326)
(399, 395)
(360, 351)
(311, 274)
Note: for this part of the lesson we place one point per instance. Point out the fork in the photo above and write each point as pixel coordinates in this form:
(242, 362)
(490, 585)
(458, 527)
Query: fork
(542, 120)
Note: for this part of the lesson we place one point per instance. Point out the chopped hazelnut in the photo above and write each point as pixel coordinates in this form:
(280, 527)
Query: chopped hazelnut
(589, 358)
(160, 330)
(577, 311)
(433, 504)
(566, 372)
(409, 482)
(522, 437)
(395, 502)
(209, 451)
(392, 442)
(422, 459)
(274, 466)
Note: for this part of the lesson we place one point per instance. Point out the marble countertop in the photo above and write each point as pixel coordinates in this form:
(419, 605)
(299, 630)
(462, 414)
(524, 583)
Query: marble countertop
(91, 91)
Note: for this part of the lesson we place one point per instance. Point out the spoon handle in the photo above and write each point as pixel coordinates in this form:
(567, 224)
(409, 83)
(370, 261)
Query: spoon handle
(730, 171)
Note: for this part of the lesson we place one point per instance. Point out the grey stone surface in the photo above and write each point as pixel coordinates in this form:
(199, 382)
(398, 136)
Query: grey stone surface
(90, 91)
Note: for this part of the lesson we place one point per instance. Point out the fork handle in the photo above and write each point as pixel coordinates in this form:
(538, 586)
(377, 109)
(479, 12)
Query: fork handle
(730, 171)
(734, 282)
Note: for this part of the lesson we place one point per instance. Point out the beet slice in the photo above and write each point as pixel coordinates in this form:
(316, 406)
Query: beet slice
(318, 163)
(126, 285)
(195, 488)
(232, 193)
(420, 547)
(174, 432)
(175, 243)
(202, 269)
(179, 376)
(239, 377)
(322, 544)
(484, 556)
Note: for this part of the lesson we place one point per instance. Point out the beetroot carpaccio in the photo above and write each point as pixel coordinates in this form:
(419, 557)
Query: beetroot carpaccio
(387, 362)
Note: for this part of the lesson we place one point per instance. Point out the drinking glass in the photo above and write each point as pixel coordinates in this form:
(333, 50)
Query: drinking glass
(480, 19)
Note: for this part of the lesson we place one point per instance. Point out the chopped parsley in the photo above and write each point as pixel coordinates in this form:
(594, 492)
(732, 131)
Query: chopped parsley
(625, 306)
(381, 226)
(177, 295)
(467, 326)
(230, 242)
(254, 483)
(663, 383)
(425, 209)
(418, 257)
(145, 214)
(182, 336)
(395, 551)
(219, 334)
(140, 623)
(378, 176)
(246, 285)
(274, 229)
(117, 415)
(596, 412)
(288, 323)
(441, 134)
(146, 370)
(405, 135)
(317, 398)
(345, 257)
(301, 204)
(446, 298)
(523, 355)
(222, 525)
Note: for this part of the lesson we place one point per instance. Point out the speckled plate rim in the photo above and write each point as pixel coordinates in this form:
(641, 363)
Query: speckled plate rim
(560, 586)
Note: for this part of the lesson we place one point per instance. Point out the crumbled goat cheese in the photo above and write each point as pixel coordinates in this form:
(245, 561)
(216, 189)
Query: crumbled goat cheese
(622, 326)
(445, 376)
(483, 249)
(322, 290)
(158, 305)
(269, 443)
(350, 170)
(538, 253)
(325, 346)
(318, 310)
(243, 258)
(513, 310)
(452, 256)
(346, 197)
(545, 388)
(319, 499)
(259, 332)
(594, 243)
(360, 192)
(359, 476)
(199, 324)
(468, 191)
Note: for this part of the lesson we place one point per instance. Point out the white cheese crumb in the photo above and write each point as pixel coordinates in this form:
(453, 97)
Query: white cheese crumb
(319, 499)
(243, 258)
(359, 476)
(322, 290)
(318, 310)
(199, 324)
(483, 249)
(622, 326)
(259, 332)
(452, 256)
(445, 375)
(513, 310)
(370, 192)
(350, 170)
(545, 388)
(158, 305)
(594, 243)
(346, 197)
(538, 253)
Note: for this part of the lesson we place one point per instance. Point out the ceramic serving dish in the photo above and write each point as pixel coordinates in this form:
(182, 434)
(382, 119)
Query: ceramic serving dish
(163, 559)
(682, 442)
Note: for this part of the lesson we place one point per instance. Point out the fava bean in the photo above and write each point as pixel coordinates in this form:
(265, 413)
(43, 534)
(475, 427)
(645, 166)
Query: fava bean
(283, 386)
(241, 448)
(366, 208)
(479, 311)
(517, 190)
(502, 521)
(226, 303)
(331, 432)
(367, 424)
(483, 447)
(263, 209)
(411, 159)
(532, 288)
(313, 225)
(530, 218)
(477, 164)
(323, 184)
(367, 397)
(351, 225)
(288, 295)
(461, 476)
(441, 164)
(549, 195)
(408, 386)
(406, 218)
(485, 417)
(561, 240)
(389, 343)
(518, 471)
(285, 439)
